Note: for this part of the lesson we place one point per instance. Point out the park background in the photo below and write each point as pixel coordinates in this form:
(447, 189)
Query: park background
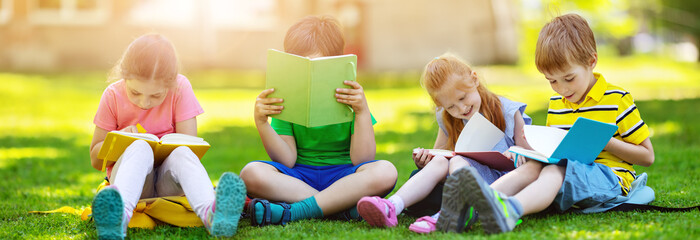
(55, 55)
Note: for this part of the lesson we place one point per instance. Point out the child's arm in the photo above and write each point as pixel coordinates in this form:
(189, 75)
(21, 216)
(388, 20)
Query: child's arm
(282, 149)
(519, 138)
(98, 137)
(188, 127)
(362, 144)
(642, 154)
(423, 157)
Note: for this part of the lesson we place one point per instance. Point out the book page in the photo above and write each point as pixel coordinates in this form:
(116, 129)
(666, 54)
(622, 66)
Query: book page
(144, 136)
(478, 135)
(544, 139)
(436, 152)
(330, 57)
(182, 139)
(529, 154)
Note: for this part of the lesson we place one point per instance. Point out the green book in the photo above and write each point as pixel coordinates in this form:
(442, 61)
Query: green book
(308, 87)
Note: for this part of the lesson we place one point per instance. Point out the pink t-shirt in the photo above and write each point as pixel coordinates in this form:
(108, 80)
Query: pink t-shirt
(117, 112)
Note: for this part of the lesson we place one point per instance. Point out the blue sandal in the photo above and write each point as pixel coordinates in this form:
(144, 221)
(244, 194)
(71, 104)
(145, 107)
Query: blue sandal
(267, 213)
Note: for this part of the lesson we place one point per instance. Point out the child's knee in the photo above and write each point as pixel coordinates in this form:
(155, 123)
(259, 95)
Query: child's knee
(183, 152)
(554, 171)
(140, 147)
(253, 173)
(138, 152)
(438, 162)
(384, 173)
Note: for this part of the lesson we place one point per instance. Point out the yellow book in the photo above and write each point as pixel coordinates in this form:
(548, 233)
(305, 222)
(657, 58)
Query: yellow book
(116, 142)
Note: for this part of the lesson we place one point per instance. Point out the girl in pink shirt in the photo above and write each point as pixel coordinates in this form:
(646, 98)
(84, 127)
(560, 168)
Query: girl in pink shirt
(150, 92)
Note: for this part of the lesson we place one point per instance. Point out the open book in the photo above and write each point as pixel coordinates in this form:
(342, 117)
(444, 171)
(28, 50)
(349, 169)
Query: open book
(308, 87)
(116, 142)
(583, 142)
(475, 141)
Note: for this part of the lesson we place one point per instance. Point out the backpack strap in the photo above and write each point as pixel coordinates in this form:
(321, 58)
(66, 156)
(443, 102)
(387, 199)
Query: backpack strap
(626, 207)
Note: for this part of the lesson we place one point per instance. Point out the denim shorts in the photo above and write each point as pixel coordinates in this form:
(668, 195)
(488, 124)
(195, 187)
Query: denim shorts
(586, 185)
(318, 177)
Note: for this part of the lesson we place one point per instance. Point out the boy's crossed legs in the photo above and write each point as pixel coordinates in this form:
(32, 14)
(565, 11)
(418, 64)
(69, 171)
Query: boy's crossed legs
(266, 181)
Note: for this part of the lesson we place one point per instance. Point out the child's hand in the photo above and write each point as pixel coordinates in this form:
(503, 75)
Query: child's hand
(354, 97)
(422, 158)
(510, 155)
(130, 129)
(264, 107)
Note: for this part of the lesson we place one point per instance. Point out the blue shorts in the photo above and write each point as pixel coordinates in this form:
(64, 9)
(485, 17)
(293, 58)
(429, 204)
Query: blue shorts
(586, 185)
(318, 177)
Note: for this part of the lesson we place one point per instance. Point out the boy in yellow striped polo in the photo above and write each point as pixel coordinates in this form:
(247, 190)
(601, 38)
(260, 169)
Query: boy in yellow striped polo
(566, 55)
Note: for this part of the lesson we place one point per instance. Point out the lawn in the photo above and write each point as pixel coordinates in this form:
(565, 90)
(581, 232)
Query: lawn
(46, 127)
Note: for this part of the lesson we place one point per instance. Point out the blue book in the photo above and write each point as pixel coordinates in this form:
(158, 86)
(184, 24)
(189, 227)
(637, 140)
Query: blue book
(583, 142)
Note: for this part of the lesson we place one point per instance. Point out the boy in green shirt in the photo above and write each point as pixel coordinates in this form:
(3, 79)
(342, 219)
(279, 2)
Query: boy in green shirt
(321, 170)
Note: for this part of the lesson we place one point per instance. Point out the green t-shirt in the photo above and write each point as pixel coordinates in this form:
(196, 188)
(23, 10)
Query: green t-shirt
(320, 146)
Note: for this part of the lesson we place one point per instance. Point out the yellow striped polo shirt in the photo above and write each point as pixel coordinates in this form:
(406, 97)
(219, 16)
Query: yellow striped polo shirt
(606, 103)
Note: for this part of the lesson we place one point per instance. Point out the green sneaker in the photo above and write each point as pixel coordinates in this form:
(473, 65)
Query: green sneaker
(456, 214)
(497, 214)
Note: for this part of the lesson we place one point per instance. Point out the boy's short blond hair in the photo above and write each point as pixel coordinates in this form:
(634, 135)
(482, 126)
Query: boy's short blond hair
(564, 41)
(313, 35)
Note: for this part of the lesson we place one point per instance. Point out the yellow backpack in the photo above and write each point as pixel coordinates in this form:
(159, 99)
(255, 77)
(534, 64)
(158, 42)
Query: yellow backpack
(148, 213)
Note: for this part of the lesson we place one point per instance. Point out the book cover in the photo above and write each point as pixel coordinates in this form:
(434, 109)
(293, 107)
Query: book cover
(583, 142)
(116, 142)
(308, 87)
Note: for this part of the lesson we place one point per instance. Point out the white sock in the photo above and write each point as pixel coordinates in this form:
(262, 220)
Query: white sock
(436, 215)
(398, 204)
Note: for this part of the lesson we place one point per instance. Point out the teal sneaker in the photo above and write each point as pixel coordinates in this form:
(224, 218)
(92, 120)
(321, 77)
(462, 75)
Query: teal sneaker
(223, 216)
(497, 214)
(108, 213)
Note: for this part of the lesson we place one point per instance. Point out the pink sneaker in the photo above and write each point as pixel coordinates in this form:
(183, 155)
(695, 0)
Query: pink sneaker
(372, 209)
(427, 226)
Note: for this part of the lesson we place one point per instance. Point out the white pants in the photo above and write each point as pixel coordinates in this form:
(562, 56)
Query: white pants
(181, 173)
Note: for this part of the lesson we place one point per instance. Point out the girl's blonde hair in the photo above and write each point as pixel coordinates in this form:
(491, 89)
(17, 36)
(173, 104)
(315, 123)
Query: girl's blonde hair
(149, 57)
(437, 73)
(315, 35)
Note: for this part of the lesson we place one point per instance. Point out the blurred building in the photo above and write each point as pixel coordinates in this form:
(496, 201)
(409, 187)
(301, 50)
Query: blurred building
(55, 35)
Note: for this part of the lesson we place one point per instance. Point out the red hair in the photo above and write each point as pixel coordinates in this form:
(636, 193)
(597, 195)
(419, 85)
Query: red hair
(315, 35)
(437, 73)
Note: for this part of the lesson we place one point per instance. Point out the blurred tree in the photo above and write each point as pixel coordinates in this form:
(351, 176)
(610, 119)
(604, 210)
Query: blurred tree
(682, 15)
(611, 21)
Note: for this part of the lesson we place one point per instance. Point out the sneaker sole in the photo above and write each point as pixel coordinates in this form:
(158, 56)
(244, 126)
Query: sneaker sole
(108, 211)
(453, 208)
(371, 214)
(230, 199)
(481, 195)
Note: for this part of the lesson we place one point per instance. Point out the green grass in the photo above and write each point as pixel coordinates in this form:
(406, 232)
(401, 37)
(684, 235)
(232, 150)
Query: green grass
(47, 126)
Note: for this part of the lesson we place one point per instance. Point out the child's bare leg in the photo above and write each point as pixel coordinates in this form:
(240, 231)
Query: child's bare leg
(516, 180)
(375, 178)
(457, 162)
(265, 181)
(423, 182)
(539, 194)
